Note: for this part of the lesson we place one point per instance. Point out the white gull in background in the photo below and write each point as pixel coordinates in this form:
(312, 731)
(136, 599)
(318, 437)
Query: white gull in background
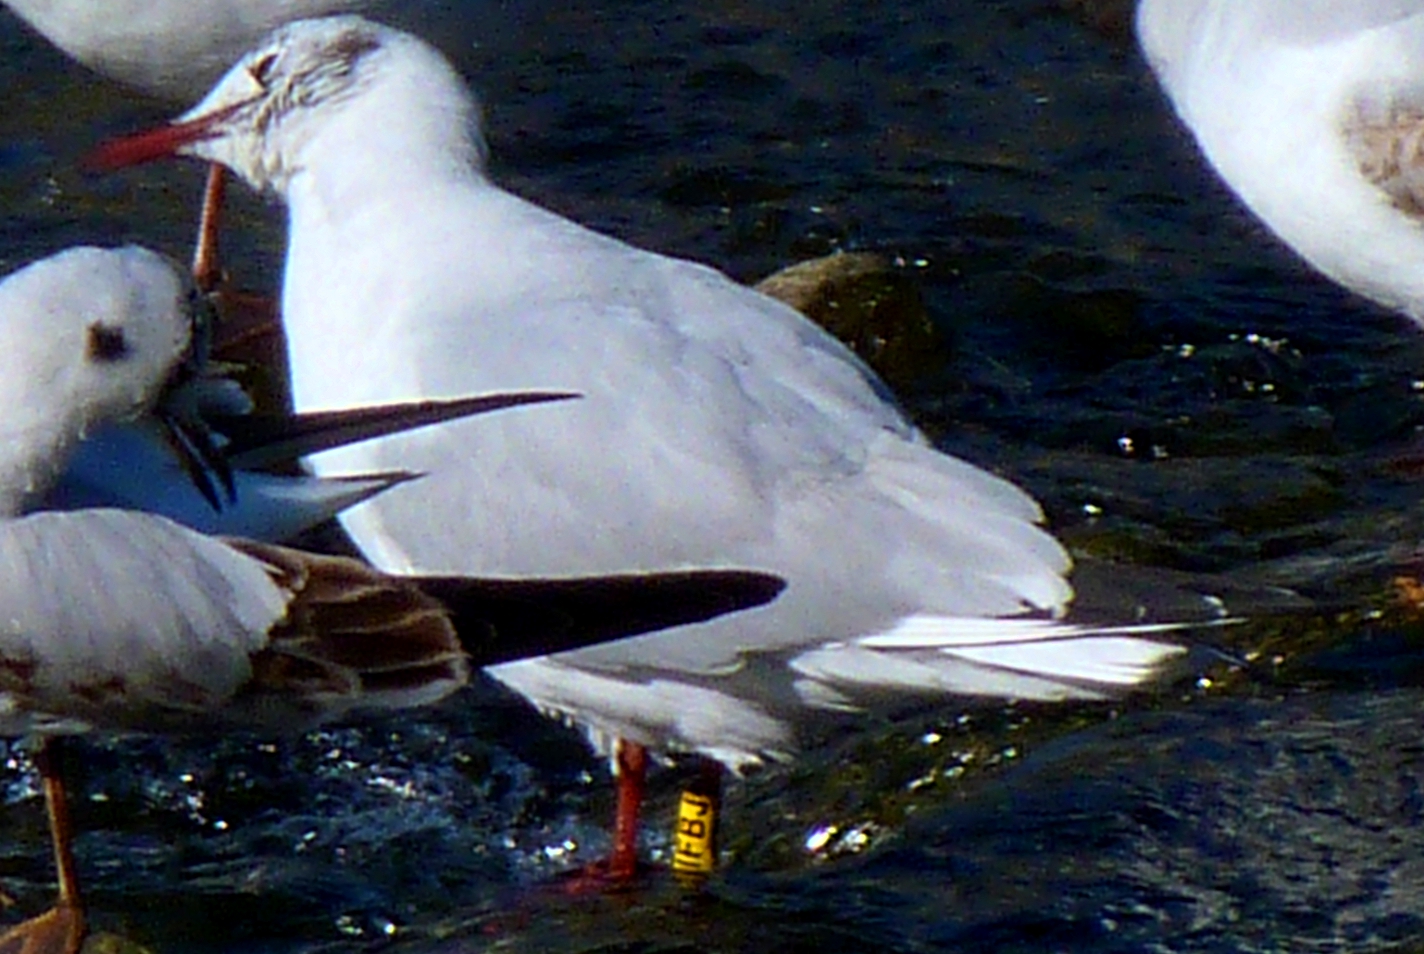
(128, 622)
(717, 427)
(1312, 111)
(176, 49)
(169, 48)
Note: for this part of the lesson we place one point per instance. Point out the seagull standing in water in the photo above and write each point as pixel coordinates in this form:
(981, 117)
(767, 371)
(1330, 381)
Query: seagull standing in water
(1312, 111)
(716, 427)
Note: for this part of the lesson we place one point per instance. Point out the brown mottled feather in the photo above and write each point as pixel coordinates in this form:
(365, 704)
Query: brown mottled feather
(352, 631)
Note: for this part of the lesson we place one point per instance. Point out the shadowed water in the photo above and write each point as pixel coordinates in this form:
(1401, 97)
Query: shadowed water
(1119, 337)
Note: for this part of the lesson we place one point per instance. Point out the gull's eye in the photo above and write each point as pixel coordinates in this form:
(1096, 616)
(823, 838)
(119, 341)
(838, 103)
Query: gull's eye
(261, 69)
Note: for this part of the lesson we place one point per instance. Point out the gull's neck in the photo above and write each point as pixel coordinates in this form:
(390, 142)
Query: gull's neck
(32, 454)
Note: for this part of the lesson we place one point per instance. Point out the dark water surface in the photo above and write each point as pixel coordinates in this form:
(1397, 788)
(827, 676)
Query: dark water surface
(1121, 339)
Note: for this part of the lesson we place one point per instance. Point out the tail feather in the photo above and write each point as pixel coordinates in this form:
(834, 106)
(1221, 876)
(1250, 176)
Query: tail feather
(944, 632)
(1107, 661)
(849, 673)
(1033, 659)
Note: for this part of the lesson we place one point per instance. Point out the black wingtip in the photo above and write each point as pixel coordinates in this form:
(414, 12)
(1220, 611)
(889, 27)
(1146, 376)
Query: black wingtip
(261, 441)
(505, 620)
(202, 460)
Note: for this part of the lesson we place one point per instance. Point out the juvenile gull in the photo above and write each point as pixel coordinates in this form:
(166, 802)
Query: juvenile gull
(129, 622)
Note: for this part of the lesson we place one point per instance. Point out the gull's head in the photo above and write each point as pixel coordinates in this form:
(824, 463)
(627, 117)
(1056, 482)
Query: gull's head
(329, 87)
(87, 337)
(93, 329)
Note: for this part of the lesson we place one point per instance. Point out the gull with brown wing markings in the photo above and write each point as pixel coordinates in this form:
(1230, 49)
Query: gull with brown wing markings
(121, 621)
(124, 621)
(716, 427)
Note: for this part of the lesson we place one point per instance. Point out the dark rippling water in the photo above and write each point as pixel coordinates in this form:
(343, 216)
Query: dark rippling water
(1120, 338)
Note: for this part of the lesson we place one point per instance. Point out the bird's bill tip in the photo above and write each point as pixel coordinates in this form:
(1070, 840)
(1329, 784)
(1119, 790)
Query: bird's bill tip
(152, 144)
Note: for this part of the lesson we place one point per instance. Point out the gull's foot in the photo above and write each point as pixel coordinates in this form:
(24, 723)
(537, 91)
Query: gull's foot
(1409, 592)
(607, 876)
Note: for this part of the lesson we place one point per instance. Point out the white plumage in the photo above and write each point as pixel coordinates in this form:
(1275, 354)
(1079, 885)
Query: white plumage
(1313, 112)
(717, 426)
(88, 336)
(172, 48)
(120, 611)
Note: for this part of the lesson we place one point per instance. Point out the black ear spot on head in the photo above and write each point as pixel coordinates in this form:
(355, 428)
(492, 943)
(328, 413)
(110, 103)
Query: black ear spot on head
(350, 47)
(106, 343)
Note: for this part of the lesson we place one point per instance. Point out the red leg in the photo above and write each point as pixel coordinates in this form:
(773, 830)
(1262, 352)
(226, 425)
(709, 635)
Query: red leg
(207, 269)
(61, 831)
(248, 331)
(60, 930)
(620, 869)
(632, 778)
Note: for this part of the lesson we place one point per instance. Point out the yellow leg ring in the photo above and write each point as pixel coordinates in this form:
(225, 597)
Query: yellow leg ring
(695, 843)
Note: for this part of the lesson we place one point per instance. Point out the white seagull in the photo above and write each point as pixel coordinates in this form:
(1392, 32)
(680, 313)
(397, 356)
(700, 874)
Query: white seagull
(716, 427)
(1312, 111)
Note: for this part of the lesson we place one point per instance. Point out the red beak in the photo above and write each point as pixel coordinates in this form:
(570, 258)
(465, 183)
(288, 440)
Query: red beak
(157, 143)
